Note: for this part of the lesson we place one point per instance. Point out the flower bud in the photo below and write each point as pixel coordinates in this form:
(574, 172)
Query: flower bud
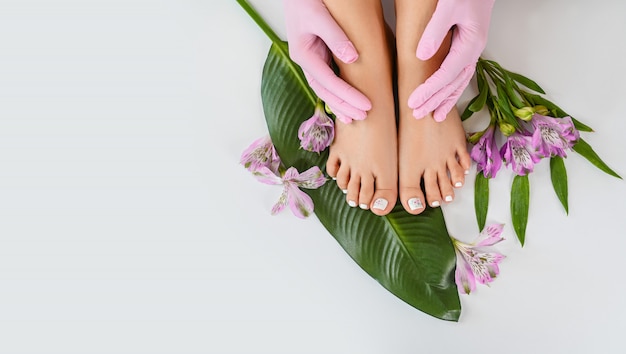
(543, 110)
(506, 128)
(524, 113)
(327, 109)
(474, 137)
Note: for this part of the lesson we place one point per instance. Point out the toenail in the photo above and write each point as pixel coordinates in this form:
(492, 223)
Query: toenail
(448, 198)
(380, 204)
(467, 172)
(352, 203)
(363, 206)
(345, 191)
(458, 184)
(415, 203)
(435, 204)
(334, 178)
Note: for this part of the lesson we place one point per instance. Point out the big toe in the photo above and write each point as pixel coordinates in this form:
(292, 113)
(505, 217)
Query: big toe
(385, 196)
(411, 195)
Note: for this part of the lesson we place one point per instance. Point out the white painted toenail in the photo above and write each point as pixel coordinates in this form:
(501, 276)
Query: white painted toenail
(345, 191)
(352, 203)
(334, 178)
(380, 204)
(363, 206)
(458, 184)
(435, 204)
(415, 203)
(448, 198)
(467, 172)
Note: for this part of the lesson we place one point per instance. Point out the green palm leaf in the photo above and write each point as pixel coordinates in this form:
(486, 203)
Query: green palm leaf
(411, 256)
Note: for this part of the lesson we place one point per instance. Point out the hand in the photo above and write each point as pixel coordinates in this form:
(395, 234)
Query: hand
(311, 33)
(442, 90)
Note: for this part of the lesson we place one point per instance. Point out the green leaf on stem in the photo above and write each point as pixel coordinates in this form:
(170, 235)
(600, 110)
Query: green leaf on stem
(505, 106)
(467, 112)
(525, 81)
(481, 199)
(520, 201)
(584, 149)
(510, 91)
(558, 174)
(581, 126)
(409, 255)
(482, 96)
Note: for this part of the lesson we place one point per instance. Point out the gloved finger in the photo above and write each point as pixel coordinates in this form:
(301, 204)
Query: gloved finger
(438, 97)
(441, 112)
(435, 32)
(343, 118)
(327, 29)
(320, 72)
(429, 104)
(334, 101)
(460, 56)
(446, 106)
(433, 102)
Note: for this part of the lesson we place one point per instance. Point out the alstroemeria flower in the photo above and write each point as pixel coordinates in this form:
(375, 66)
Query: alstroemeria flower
(317, 132)
(486, 154)
(299, 202)
(261, 153)
(474, 263)
(552, 136)
(519, 152)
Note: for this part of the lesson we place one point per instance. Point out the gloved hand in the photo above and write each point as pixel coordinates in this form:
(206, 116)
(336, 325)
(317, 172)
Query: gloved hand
(311, 33)
(442, 90)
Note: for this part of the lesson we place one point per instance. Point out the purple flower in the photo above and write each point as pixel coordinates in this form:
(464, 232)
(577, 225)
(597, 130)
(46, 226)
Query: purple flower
(317, 132)
(519, 152)
(486, 154)
(299, 202)
(261, 153)
(473, 261)
(553, 135)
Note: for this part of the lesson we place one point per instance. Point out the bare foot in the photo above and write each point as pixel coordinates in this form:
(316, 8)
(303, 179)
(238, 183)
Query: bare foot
(364, 154)
(430, 152)
(363, 158)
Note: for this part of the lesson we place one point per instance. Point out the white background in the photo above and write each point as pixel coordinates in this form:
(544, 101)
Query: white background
(128, 226)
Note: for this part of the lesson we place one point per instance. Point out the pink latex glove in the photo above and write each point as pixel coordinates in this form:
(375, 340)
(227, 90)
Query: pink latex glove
(311, 33)
(442, 90)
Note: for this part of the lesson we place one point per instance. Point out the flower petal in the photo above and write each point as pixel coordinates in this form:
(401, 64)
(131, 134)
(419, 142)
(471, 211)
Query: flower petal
(261, 153)
(312, 178)
(265, 175)
(463, 275)
(490, 235)
(317, 132)
(281, 203)
(300, 203)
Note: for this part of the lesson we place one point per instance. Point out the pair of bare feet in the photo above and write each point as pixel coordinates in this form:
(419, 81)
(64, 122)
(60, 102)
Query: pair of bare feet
(374, 161)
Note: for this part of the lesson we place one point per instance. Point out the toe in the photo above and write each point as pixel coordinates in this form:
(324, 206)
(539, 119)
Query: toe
(367, 191)
(354, 188)
(457, 173)
(445, 186)
(385, 195)
(411, 195)
(412, 199)
(343, 177)
(464, 159)
(433, 195)
(332, 166)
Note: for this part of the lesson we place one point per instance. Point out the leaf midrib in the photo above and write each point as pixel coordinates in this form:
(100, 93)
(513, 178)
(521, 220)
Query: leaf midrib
(396, 230)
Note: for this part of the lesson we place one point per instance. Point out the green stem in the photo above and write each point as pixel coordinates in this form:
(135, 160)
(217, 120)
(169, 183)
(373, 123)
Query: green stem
(281, 46)
(260, 22)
